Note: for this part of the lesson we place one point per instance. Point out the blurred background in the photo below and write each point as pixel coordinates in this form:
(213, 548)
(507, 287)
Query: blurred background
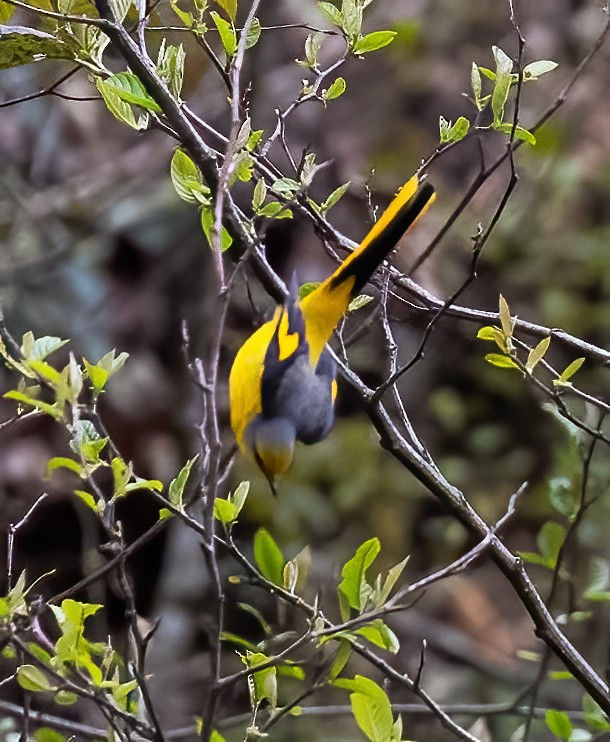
(96, 247)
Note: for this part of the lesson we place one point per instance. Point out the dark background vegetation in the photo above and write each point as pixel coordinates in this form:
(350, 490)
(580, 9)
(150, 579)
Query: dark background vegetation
(97, 248)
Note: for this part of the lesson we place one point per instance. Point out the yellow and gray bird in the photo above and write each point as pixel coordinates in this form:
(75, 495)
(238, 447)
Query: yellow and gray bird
(282, 384)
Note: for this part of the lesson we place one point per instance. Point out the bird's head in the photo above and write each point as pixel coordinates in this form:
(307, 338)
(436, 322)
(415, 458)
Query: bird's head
(272, 443)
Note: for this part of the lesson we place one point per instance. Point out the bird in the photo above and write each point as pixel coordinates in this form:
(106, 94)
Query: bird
(282, 384)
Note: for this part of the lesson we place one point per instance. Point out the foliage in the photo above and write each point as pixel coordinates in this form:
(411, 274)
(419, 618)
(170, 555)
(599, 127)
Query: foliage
(341, 641)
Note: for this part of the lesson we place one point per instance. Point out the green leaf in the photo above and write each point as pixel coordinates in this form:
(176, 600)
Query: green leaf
(341, 659)
(268, 556)
(532, 557)
(359, 302)
(224, 510)
(354, 572)
(119, 108)
(97, 375)
(459, 130)
(87, 498)
(599, 580)
(550, 540)
(170, 66)
(31, 678)
(20, 45)
(46, 734)
(286, 187)
(562, 496)
(594, 716)
(6, 11)
(41, 347)
(306, 288)
(559, 723)
(49, 409)
(186, 17)
(313, 44)
(335, 90)
(487, 333)
(568, 372)
(504, 66)
(391, 579)
(506, 321)
(380, 635)
(65, 698)
(275, 210)
(335, 196)
(534, 70)
(262, 684)
(373, 41)
(186, 178)
(351, 18)
(331, 13)
(176, 487)
(253, 34)
(519, 133)
(372, 710)
(130, 89)
(61, 462)
(501, 361)
(144, 484)
(226, 32)
(121, 473)
(230, 8)
(259, 195)
(207, 224)
(240, 495)
(296, 570)
(537, 354)
(475, 81)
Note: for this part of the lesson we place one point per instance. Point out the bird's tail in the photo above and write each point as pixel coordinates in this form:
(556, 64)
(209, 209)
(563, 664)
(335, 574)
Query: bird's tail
(408, 205)
(325, 306)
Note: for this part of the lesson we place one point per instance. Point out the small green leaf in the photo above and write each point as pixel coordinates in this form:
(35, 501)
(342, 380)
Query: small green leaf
(65, 698)
(253, 34)
(534, 70)
(354, 572)
(562, 496)
(519, 132)
(177, 485)
(226, 32)
(97, 375)
(259, 195)
(359, 302)
(537, 354)
(331, 13)
(559, 723)
(501, 361)
(286, 187)
(594, 716)
(207, 224)
(487, 333)
(87, 498)
(268, 556)
(550, 540)
(505, 319)
(119, 108)
(49, 409)
(224, 510)
(186, 178)
(568, 372)
(475, 81)
(262, 684)
(335, 90)
(312, 46)
(391, 579)
(373, 41)
(31, 678)
(130, 89)
(239, 496)
(335, 196)
(380, 635)
(61, 462)
(230, 8)
(504, 66)
(351, 18)
(341, 659)
(275, 210)
(306, 288)
(599, 580)
(21, 45)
